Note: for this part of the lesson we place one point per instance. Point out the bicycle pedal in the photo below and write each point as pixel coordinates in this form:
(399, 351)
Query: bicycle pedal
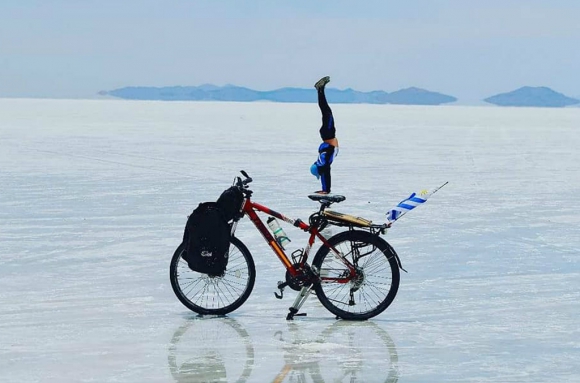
(281, 286)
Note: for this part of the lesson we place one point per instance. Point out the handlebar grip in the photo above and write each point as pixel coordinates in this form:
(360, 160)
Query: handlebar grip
(248, 178)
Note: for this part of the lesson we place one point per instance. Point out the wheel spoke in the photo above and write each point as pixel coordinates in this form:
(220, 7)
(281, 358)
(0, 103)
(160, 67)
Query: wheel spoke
(214, 295)
(375, 285)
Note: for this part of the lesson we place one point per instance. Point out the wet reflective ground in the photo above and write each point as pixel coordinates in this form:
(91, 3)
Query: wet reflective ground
(340, 352)
(94, 196)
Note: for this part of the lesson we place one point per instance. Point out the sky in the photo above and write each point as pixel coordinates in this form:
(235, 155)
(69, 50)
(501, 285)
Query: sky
(468, 49)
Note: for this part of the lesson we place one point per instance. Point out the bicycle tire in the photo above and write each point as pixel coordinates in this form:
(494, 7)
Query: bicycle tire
(207, 295)
(379, 270)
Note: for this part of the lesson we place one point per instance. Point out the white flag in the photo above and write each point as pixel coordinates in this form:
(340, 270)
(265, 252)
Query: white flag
(414, 200)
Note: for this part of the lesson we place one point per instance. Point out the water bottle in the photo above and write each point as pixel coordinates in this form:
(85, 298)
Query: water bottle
(278, 232)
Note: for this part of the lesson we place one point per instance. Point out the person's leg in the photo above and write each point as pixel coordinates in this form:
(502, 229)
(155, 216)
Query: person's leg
(327, 130)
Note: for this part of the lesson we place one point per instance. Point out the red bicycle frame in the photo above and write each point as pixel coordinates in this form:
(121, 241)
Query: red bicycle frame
(250, 209)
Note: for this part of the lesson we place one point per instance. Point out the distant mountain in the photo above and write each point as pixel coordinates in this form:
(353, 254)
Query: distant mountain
(532, 96)
(208, 92)
(417, 96)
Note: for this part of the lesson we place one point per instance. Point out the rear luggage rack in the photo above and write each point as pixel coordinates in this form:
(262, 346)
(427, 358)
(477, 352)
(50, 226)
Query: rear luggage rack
(341, 219)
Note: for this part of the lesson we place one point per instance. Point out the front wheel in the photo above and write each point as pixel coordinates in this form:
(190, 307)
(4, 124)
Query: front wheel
(208, 295)
(373, 288)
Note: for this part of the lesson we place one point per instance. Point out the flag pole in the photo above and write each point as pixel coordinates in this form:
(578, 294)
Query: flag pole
(427, 193)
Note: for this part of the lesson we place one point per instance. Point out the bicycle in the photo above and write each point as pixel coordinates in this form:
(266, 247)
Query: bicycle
(355, 273)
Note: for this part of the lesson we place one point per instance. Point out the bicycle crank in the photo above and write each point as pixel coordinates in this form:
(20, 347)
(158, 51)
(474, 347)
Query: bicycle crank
(296, 282)
(305, 277)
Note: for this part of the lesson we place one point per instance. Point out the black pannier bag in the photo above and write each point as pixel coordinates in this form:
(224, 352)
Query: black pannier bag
(207, 240)
(230, 202)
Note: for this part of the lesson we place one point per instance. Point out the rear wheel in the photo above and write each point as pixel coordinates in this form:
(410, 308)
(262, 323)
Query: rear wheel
(214, 295)
(373, 288)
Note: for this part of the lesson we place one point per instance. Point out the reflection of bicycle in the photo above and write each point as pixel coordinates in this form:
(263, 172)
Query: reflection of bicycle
(355, 273)
(343, 352)
(208, 350)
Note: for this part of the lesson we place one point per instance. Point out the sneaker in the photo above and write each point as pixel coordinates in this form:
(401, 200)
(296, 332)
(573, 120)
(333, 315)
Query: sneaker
(320, 84)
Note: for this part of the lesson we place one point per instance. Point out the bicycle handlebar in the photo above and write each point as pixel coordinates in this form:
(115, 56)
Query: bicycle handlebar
(248, 178)
(243, 184)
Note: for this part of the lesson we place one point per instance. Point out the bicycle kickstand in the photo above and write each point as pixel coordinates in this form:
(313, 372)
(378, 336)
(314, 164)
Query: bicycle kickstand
(298, 302)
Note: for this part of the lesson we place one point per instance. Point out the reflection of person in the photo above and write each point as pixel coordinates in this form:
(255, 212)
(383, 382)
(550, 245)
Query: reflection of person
(328, 149)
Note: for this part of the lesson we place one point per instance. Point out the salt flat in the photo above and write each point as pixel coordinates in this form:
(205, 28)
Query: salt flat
(94, 196)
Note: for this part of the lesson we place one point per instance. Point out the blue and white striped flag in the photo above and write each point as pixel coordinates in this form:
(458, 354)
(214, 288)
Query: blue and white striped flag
(406, 205)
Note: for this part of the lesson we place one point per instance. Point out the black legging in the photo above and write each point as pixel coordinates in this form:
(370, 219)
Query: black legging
(327, 131)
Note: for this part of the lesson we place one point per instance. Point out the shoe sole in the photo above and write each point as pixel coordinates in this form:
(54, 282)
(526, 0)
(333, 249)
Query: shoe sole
(322, 82)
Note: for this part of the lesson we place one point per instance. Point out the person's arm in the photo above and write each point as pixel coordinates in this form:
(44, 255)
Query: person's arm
(323, 166)
(325, 179)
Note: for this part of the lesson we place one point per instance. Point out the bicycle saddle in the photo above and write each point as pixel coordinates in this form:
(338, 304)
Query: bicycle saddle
(322, 198)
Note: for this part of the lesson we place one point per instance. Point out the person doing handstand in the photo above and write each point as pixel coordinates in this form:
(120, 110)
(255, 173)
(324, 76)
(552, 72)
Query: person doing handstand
(328, 149)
